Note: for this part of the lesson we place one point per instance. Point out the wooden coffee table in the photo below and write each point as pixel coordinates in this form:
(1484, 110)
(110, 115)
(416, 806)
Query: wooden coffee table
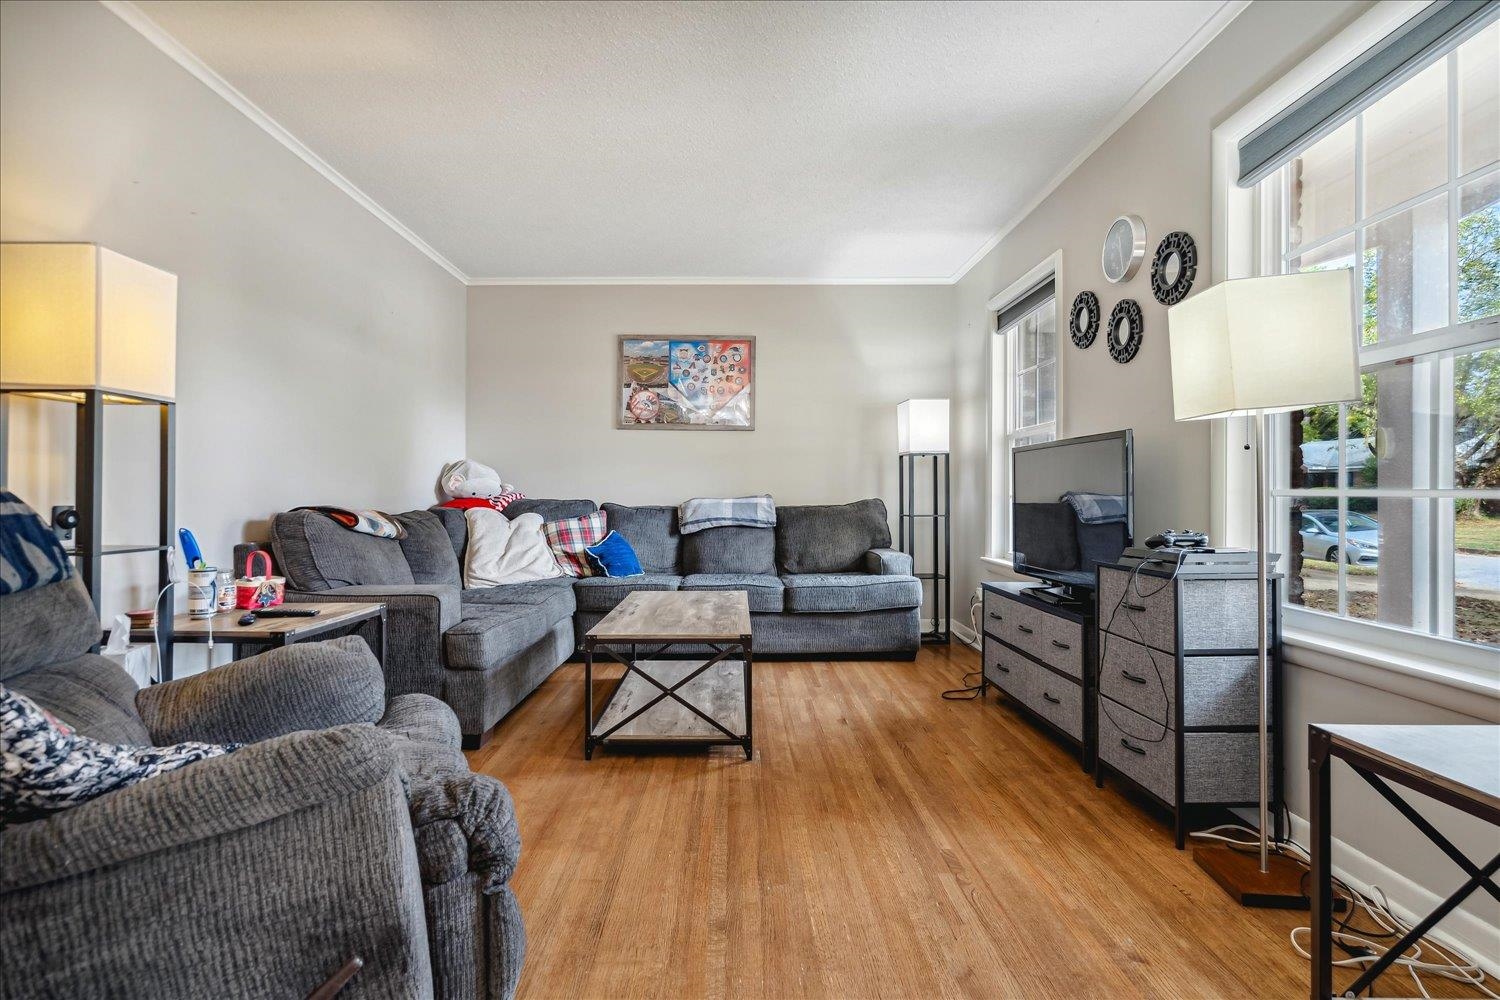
(679, 701)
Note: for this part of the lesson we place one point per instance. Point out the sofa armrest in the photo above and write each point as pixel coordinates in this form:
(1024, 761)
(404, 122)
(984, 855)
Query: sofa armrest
(888, 562)
(417, 616)
(211, 798)
(465, 822)
(311, 685)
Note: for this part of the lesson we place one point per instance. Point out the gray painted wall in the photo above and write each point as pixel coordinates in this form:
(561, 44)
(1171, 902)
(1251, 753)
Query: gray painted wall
(833, 362)
(1157, 166)
(320, 356)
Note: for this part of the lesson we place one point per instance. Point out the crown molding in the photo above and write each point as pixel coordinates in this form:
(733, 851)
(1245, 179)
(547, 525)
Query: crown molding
(178, 53)
(929, 280)
(1185, 54)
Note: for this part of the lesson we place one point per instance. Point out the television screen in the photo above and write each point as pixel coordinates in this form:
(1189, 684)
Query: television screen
(1072, 505)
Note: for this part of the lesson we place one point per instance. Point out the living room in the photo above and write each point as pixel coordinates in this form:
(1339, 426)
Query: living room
(807, 318)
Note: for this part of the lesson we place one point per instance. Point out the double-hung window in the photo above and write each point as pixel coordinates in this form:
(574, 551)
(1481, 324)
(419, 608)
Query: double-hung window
(1388, 507)
(1023, 391)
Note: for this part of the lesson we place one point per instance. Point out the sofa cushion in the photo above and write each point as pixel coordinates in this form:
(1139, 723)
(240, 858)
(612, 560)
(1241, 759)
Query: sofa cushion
(61, 623)
(427, 548)
(730, 549)
(551, 510)
(457, 527)
(490, 634)
(831, 538)
(89, 693)
(764, 590)
(602, 593)
(651, 531)
(554, 597)
(314, 552)
(814, 592)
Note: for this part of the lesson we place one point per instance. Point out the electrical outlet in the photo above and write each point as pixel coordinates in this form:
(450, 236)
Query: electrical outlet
(64, 520)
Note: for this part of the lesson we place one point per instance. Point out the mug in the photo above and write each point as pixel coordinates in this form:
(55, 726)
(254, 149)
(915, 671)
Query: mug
(203, 592)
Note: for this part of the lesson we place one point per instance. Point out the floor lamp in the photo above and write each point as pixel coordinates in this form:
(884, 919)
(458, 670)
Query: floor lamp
(1253, 347)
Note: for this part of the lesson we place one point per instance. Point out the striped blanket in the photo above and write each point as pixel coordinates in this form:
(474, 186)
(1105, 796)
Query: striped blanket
(366, 522)
(746, 512)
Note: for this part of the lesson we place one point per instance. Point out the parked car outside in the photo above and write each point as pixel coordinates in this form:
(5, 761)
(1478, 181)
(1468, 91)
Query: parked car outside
(1320, 537)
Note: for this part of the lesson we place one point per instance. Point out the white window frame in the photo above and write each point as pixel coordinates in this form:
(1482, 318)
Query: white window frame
(1000, 409)
(1433, 669)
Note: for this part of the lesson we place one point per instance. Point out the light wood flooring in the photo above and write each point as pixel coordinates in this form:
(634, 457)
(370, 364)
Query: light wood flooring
(883, 843)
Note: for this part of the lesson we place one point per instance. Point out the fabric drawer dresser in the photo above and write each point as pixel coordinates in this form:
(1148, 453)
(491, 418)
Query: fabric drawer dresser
(1177, 688)
(1041, 655)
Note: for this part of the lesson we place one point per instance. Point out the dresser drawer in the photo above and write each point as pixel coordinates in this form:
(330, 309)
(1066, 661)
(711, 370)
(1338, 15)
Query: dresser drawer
(1221, 767)
(1138, 677)
(1010, 620)
(1005, 668)
(1219, 691)
(1138, 748)
(1139, 607)
(1061, 645)
(1219, 614)
(1055, 698)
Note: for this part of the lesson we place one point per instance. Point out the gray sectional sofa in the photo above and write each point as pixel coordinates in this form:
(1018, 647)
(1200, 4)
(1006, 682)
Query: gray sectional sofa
(823, 583)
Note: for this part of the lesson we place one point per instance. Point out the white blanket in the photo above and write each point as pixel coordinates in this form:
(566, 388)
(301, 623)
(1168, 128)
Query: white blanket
(505, 550)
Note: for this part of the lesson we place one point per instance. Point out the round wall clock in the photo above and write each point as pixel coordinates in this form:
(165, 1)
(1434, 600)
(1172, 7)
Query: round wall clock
(1173, 268)
(1083, 323)
(1124, 332)
(1124, 248)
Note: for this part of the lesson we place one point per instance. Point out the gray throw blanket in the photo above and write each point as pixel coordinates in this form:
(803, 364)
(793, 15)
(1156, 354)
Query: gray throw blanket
(746, 512)
(1096, 508)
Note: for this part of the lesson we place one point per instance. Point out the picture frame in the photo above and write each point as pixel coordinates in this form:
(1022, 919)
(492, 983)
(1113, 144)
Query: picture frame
(689, 383)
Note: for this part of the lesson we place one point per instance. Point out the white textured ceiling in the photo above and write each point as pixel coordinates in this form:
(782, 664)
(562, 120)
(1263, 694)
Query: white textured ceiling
(801, 141)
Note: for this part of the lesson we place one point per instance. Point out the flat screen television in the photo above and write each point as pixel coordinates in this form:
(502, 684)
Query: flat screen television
(1072, 507)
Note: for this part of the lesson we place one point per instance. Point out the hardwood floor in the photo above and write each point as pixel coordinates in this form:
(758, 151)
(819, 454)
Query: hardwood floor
(884, 843)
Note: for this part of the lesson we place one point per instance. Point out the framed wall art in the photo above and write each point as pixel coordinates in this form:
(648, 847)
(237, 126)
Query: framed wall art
(686, 383)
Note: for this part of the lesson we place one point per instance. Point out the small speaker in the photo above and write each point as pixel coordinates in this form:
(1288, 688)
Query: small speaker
(64, 520)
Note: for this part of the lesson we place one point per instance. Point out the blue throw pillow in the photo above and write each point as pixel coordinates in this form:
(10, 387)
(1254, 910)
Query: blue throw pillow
(614, 556)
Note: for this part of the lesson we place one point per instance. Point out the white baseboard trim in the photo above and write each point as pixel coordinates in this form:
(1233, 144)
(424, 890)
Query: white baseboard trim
(1462, 930)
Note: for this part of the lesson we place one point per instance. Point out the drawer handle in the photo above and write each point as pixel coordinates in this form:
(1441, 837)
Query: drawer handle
(1061, 645)
(1131, 746)
(1002, 668)
(996, 615)
(1132, 678)
(1133, 607)
(1025, 628)
(1055, 701)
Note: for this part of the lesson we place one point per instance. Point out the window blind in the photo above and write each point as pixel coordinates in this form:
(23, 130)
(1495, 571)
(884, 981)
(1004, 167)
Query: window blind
(1395, 59)
(1023, 305)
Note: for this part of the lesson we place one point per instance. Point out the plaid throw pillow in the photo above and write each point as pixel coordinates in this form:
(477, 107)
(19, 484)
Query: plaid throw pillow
(568, 538)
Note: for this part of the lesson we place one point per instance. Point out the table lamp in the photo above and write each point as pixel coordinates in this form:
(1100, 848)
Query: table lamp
(1251, 347)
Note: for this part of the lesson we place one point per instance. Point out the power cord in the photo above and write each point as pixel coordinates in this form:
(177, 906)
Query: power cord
(1132, 588)
(1363, 945)
(969, 691)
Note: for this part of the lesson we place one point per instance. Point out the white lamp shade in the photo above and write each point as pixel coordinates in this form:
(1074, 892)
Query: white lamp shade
(1277, 343)
(76, 315)
(922, 426)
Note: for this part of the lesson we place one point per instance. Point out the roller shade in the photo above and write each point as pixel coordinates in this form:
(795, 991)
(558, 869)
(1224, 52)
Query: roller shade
(1023, 305)
(1396, 58)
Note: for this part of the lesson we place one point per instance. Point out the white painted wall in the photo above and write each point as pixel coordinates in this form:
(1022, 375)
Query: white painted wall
(320, 356)
(1157, 166)
(833, 362)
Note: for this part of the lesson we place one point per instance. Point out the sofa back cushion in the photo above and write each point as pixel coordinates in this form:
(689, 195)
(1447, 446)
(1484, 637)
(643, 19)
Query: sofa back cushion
(89, 693)
(651, 532)
(730, 549)
(45, 625)
(428, 549)
(457, 527)
(316, 553)
(830, 538)
(551, 510)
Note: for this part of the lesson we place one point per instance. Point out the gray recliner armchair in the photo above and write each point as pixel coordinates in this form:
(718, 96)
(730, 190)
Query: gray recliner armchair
(348, 827)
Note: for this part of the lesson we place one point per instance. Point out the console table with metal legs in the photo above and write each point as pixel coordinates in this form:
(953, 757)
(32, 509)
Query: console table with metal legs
(1456, 765)
(694, 702)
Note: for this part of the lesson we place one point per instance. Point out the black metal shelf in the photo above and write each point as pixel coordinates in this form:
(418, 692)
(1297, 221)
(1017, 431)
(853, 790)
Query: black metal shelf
(116, 550)
(938, 577)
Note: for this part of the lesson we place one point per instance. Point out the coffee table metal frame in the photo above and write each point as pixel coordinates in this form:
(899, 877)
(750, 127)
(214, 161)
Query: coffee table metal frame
(739, 649)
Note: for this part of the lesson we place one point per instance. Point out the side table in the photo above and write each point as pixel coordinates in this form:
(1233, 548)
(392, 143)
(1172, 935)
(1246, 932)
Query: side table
(274, 632)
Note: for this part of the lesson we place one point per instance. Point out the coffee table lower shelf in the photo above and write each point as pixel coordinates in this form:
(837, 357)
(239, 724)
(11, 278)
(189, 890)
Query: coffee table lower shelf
(672, 702)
